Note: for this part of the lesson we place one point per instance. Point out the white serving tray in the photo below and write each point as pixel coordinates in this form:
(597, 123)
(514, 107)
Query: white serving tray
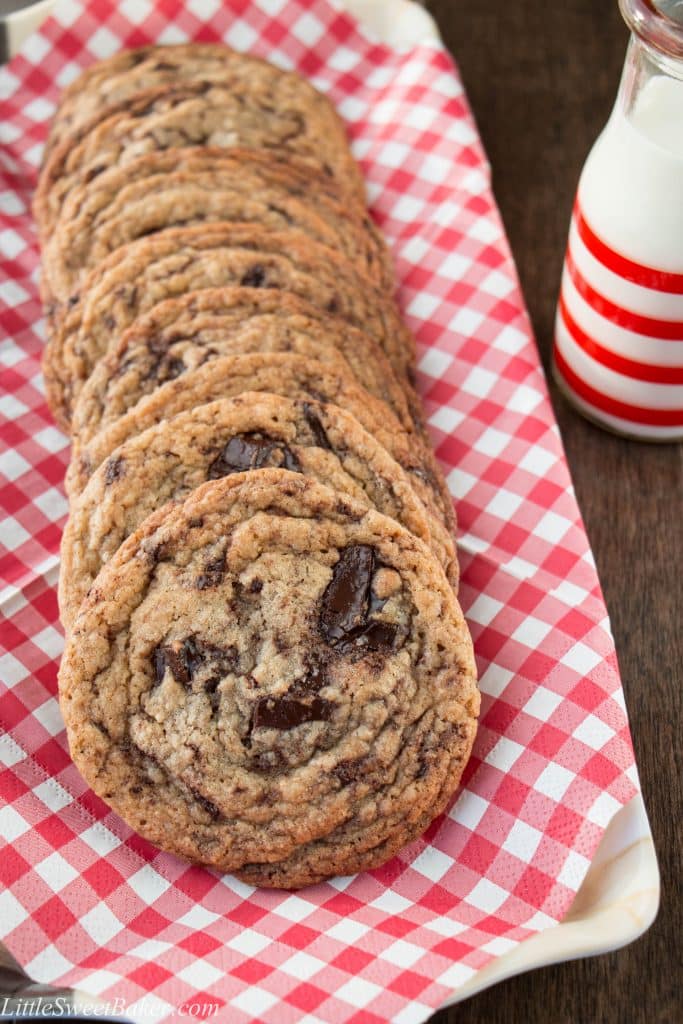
(619, 898)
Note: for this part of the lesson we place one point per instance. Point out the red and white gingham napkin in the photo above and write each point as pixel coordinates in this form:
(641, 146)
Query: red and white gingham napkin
(86, 902)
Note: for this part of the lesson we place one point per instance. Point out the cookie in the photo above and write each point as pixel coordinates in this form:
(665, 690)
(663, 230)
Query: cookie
(182, 187)
(116, 80)
(179, 260)
(292, 376)
(252, 431)
(196, 114)
(180, 334)
(273, 680)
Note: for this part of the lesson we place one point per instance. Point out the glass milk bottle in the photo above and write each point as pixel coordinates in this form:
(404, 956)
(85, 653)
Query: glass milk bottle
(618, 349)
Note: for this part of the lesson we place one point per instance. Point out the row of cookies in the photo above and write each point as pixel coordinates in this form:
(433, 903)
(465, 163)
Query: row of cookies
(224, 347)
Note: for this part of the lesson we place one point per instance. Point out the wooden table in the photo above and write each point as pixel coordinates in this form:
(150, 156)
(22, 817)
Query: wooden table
(541, 78)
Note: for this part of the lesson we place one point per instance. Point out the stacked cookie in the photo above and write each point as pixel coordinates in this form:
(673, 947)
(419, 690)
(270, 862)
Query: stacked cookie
(267, 669)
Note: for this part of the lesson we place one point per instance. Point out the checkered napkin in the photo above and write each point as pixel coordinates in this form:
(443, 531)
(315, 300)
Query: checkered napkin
(87, 903)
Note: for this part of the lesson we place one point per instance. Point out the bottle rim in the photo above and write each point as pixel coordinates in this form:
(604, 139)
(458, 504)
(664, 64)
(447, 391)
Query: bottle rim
(655, 27)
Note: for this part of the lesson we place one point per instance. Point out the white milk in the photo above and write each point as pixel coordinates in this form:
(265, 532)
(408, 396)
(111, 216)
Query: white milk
(631, 189)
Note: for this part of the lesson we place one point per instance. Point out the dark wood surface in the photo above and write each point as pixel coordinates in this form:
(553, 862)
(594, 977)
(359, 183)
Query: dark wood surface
(541, 78)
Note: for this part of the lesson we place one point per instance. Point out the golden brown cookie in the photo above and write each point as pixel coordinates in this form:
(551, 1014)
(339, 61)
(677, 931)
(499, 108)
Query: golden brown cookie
(272, 679)
(179, 335)
(251, 431)
(173, 188)
(288, 374)
(197, 113)
(170, 263)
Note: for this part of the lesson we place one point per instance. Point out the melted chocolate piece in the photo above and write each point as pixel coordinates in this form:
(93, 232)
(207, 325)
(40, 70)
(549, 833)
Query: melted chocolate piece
(116, 467)
(348, 602)
(347, 595)
(284, 713)
(212, 575)
(252, 451)
(182, 657)
(267, 762)
(311, 683)
(206, 805)
(316, 426)
(374, 636)
(349, 771)
(254, 277)
(185, 657)
(422, 473)
(171, 369)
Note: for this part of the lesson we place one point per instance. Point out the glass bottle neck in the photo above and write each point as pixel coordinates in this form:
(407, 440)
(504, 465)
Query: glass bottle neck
(651, 95)
(659, 23)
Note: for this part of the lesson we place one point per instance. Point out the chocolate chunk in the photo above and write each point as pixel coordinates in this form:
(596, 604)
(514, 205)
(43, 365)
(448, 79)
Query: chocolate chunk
(312, 682)
(349, 771)
(115, 469)
(373, 636)
(284, 713)
(280, 212)
(347, 595)
(158, 553)
(182, 657)
(159, 344)
(212, 575)
(185, 657)
(348, 602)
(206, 805)
(422, 473)
(171, 369)
(252, 451)
(317, 429)
(254, 277)
(267, 762)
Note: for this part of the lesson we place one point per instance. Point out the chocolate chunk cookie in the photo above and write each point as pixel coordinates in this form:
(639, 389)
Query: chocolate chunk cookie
(181, 334)
(278, 373)
(272, 679)
(180, 187)
(252, 431)
(194, 114)
(116, 80)
(179, 260)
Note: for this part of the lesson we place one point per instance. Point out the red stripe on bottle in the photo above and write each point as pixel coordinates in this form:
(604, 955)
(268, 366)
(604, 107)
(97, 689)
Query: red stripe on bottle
(637, 273)
(664, 330)
(650, 372)
(613, 407)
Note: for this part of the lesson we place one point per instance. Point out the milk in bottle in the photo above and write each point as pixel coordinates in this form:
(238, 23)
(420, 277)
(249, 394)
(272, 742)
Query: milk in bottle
(618, 351)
